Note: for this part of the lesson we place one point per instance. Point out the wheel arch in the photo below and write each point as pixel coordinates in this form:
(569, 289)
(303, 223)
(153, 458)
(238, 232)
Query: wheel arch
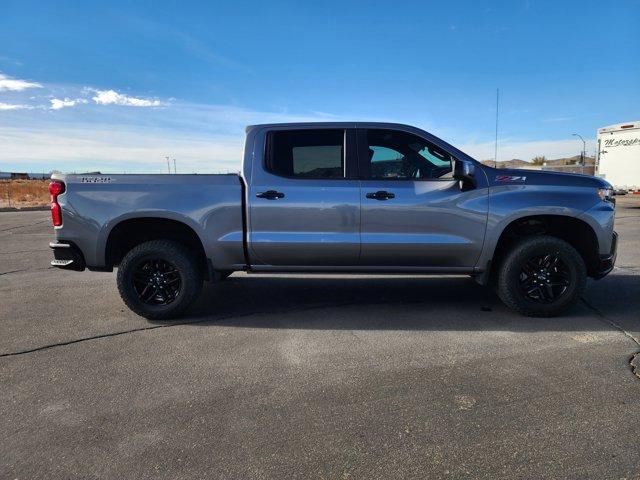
(125, 233)
(575, 231)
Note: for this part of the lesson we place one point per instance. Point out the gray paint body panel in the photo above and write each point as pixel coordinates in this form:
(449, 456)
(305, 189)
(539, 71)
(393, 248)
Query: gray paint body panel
(545, 193)
(430, 226)
(209, 204)
(316, 223)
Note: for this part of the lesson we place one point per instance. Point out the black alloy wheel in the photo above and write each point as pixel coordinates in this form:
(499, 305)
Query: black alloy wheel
(156, 281)
(544, 278)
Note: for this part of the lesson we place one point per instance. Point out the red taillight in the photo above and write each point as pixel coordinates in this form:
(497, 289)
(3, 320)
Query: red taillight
(56, 187)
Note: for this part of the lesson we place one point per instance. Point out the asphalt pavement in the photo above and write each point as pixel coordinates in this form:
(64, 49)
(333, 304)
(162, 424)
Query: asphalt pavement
(321, 376)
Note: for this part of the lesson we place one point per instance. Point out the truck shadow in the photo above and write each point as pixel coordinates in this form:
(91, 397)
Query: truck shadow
(398, 303)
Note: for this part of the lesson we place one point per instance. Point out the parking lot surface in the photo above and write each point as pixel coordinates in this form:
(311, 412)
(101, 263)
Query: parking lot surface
(322, 376)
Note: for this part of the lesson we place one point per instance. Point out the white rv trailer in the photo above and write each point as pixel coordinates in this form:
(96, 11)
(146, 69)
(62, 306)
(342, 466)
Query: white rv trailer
(618, 160)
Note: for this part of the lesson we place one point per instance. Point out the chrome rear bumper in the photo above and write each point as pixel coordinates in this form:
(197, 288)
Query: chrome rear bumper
(67, 256)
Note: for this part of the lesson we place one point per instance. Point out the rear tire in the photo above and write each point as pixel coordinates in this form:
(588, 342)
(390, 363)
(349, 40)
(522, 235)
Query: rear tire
(159, 279)
(541, 276)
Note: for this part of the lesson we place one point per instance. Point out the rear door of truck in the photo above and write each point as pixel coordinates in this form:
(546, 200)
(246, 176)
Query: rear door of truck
(304, 198)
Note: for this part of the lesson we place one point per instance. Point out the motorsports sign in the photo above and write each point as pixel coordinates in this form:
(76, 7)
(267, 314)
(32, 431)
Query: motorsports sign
(621, 142)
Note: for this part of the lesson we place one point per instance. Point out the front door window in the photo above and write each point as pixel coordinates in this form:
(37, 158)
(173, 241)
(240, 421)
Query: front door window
(395, 155)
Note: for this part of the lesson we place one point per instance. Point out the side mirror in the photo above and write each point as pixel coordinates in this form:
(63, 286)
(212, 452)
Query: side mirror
(465, 172)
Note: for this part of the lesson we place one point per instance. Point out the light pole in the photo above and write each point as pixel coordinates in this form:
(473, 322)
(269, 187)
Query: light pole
(495, 153)
(584, 150)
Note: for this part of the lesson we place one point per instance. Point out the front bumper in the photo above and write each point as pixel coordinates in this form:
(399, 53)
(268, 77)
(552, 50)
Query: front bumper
(607, 261)
(67, 256)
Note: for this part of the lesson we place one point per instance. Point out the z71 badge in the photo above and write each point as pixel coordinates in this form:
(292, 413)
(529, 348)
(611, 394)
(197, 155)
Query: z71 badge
(510, 178)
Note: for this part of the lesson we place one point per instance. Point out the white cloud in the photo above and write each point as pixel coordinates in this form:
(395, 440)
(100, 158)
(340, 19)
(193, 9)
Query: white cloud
(118, 149)
(111, 97)
(14, 106)
(15, 84)
(213, 143)
(557, 119)
(57, 104)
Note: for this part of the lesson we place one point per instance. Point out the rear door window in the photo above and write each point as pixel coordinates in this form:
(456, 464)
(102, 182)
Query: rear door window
(306, 153)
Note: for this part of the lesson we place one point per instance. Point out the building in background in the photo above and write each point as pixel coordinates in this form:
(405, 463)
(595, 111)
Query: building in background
(24, 176)
(568, 164)
(618, 156)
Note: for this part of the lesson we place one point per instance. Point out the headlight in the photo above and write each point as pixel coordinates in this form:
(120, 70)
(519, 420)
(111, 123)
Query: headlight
(606, 194)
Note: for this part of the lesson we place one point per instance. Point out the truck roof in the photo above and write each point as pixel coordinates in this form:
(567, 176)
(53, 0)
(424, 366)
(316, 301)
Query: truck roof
(620, 126)
(389, 125)
(333, 125)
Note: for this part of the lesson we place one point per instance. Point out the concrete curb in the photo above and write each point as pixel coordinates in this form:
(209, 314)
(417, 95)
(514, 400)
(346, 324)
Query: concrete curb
(24, 209)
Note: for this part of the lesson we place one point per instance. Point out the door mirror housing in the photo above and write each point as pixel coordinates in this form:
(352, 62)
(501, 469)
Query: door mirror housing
(465, 172)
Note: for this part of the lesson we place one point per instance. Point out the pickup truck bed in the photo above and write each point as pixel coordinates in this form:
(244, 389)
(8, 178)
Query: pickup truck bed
(211, 205)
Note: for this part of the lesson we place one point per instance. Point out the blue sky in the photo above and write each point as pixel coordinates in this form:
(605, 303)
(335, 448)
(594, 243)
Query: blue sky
(116, 86)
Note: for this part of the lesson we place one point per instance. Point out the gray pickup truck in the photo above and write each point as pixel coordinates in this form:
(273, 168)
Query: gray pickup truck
(339, 197)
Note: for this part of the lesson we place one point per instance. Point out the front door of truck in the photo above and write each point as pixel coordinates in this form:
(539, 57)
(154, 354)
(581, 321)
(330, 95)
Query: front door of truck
(304, 199)
(414, 213)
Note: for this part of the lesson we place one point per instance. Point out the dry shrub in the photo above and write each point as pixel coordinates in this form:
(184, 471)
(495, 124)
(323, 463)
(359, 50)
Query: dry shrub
(24, 193)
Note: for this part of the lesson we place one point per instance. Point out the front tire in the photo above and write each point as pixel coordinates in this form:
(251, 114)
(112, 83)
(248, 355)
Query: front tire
(541, 276)
(159, 279)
